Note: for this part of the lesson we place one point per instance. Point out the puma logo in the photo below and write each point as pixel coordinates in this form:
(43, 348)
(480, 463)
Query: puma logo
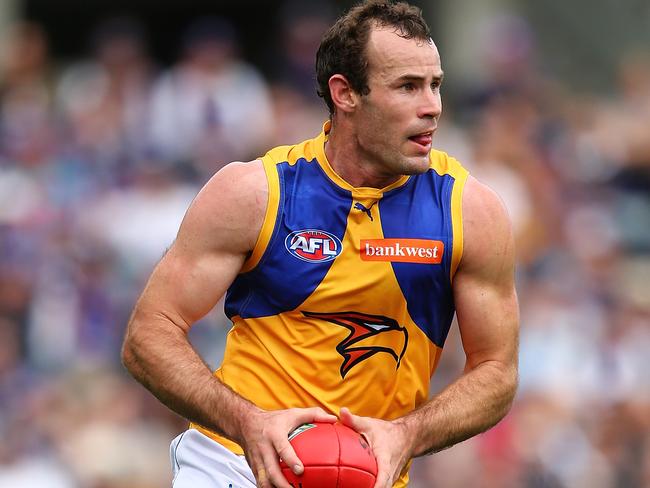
(362, 208)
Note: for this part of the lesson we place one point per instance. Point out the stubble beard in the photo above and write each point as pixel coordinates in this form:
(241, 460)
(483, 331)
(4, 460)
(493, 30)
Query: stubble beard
(393, 163)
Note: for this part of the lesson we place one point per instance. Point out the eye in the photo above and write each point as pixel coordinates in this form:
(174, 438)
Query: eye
(408, 86)
(435, 85)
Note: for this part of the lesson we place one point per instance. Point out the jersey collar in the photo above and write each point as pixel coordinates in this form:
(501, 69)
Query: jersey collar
(361, 191)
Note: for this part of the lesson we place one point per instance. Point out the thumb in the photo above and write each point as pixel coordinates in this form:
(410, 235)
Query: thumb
(353, 421)
(314, 414)
(320, 415)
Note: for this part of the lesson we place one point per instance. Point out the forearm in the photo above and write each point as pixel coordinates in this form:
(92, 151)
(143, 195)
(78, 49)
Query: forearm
(159, 355)
(472, 404)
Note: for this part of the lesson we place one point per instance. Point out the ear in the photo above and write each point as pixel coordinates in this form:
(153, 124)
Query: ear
(343, 96)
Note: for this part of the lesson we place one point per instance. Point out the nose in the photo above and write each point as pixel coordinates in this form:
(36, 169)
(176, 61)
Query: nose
(431, 105)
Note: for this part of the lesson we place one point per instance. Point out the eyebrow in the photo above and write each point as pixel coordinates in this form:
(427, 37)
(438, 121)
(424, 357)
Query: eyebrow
(413, 77)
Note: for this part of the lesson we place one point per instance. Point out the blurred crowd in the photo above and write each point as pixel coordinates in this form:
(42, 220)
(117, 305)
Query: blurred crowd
(100, 157)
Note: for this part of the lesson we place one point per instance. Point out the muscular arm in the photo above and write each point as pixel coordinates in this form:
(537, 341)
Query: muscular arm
(488, 318)
(216, 234)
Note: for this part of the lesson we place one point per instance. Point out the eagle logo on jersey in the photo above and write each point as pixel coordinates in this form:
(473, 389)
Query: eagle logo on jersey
(369, 335)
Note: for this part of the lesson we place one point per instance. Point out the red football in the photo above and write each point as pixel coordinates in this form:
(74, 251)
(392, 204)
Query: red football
(334, 456)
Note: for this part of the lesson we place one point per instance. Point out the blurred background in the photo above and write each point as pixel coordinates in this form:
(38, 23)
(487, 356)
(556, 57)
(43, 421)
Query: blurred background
(114, 113)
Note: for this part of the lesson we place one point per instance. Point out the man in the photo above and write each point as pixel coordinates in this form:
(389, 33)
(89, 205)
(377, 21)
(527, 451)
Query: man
(338, 255)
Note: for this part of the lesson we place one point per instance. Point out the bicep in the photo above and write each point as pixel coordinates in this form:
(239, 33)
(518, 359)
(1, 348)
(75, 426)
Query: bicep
(484, 291)
(215, 237)
(185, 286)
(488, 319)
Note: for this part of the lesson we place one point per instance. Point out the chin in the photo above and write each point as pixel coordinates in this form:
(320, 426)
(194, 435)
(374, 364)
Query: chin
(416, 165)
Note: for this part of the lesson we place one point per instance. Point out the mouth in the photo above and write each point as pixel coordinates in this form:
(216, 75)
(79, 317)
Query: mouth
(423, 139)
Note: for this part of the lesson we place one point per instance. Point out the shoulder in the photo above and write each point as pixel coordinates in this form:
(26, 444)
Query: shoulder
(487, 231)
(444, 164)
(237, 185)
(230, 208)
(236, 178)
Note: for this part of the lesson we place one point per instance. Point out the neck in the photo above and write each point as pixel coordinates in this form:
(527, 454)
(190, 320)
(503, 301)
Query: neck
(348, 159)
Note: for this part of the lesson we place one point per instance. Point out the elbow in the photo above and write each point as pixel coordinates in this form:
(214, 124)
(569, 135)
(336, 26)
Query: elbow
(503, 383)
(128, 354)
(510, 383)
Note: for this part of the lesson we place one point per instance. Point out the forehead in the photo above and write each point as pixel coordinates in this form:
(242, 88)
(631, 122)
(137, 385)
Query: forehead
(389, 54)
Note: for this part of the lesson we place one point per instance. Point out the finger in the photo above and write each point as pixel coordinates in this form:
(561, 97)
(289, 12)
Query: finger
(262, 478)
(272, 467)
(362, 425)
(383, 475)
(382, 480)
(257, 467)
(288, 455)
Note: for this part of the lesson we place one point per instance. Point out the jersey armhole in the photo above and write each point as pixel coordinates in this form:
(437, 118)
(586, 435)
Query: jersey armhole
(457, 219)
(270, 216)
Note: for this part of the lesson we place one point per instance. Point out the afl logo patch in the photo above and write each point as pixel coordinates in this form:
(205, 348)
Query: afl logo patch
(315, 246)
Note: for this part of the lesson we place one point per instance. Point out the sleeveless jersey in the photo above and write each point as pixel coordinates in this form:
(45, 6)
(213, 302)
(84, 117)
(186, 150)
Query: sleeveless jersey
(346, 299)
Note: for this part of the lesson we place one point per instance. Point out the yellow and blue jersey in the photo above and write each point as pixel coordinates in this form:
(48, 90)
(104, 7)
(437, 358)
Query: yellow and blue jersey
(346, 299)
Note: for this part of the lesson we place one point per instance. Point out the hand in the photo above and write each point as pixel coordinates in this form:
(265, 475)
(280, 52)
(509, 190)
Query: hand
(265, 440)
(389, 442)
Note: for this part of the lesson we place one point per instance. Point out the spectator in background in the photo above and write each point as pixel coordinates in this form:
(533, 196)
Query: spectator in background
(104, 99)
(302, 25)
(212, 105)
(506, 157)
(26, 124)
(298, 112)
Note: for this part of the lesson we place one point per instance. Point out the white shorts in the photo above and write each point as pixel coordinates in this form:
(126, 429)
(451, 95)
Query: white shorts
(200, 462)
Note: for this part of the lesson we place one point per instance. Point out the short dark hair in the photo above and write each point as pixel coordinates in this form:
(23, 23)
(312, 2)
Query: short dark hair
(343, 47)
